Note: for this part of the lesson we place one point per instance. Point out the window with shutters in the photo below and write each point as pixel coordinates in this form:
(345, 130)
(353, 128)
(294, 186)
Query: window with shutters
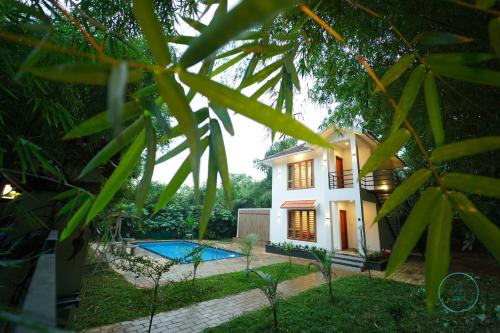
(302, 225)
(301, 175)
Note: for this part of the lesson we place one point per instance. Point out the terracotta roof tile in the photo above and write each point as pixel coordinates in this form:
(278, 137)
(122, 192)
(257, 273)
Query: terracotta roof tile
(292, 150)
(308, 204)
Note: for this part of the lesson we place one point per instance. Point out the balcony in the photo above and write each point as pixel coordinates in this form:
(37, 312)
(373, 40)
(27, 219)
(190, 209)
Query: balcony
(377, 181)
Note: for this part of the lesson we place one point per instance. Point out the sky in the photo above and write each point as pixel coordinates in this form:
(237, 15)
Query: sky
(251, 139)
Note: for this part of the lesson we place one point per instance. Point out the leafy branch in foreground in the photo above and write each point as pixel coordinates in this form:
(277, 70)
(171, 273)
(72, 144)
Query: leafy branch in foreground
(434, 208)
(271, 59)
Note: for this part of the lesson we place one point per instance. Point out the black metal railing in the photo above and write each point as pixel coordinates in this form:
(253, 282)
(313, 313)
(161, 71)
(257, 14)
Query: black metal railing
(379, 180)
(344, 179)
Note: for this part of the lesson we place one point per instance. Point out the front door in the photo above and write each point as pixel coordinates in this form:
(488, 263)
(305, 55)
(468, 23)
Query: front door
(343, 230)
(339, 171)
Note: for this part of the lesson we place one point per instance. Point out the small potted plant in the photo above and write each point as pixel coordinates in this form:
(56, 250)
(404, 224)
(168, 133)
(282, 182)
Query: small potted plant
(377, 261)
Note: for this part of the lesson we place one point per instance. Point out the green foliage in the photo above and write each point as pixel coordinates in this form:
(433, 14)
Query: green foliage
(149, 268)
(376, 301)
(246, 247)
(325, 265)
(269, 287)
(108, 298)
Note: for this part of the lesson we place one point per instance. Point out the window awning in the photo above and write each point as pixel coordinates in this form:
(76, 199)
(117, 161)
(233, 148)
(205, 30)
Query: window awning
(299, 204)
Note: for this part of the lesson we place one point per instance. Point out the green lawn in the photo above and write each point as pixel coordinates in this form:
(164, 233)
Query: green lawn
(108, 298)
(364, 305)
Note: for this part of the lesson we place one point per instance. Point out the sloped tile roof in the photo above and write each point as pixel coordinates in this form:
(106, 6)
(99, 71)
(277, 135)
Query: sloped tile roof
(289, 151)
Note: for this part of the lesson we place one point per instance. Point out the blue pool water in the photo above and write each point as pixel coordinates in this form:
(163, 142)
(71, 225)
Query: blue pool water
(179, 250)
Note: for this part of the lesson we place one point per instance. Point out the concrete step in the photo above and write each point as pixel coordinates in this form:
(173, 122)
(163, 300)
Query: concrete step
(348, 262)
(348, 257)
(347, 268)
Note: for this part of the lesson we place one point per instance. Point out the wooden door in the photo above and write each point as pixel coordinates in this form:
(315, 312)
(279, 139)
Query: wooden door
(339, 171)
(343, 230)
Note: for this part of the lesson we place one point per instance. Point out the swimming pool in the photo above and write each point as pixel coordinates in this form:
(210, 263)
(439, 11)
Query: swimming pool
(178, 250)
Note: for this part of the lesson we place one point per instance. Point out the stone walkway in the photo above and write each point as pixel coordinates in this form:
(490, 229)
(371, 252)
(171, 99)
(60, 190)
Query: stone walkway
(197, 317)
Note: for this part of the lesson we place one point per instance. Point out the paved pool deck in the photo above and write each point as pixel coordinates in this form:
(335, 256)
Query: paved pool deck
(182, 272)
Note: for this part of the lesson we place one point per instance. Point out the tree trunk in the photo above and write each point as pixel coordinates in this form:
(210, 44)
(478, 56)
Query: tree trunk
(330, 291)
(154, 304)
(275, 317)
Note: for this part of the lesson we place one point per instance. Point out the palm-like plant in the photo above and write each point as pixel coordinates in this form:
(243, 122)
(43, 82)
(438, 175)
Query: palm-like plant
(324, 264)
(288, 248)
(246, 247)
(269, 287)
(196, 257)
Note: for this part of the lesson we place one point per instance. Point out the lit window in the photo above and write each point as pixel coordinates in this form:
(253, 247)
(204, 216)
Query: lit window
(301, 175)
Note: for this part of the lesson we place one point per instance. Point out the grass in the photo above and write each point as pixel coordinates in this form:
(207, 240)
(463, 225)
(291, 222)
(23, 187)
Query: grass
(106, 297)
(364, 305)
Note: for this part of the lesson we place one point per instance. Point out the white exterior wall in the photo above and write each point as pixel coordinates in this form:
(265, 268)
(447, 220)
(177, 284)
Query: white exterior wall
(329, 201)
(280, 192)
(371, 230)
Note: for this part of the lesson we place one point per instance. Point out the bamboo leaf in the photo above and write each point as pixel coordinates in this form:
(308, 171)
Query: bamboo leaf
(433, 108)
(210, 194)
(262, 74)
(281, 96)
(486, 231)
(437, 253)
(224, 96)
(469, 74)
(396, 70)
(465, 148)
(70, 205)
(258, 49)
(224, 28)
(149, 167)
(179, 39)
(486, 186)
(485, 3)
(100, 121)
(175, 183)
(432, 38)
(228, 64)
(290, 68)
(94, 74)
(66, 194)
(402, 192)
(173, 94)
(385, 151)
(410, 92)
(218, 148)
(179, 148)
(288, 93)
(118, 177)
(494, 31)
(252, 64)
(152, 29)
(75, 220)
(196, 25)
(116, 94)
(114, 146)
(271, 83)
(412, 229)
(223, 115)
(436, 59)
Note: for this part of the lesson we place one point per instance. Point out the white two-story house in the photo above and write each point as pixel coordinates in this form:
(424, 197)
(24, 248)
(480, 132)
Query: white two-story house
(317, 199)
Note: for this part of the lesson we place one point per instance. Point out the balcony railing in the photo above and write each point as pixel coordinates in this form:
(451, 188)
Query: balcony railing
(379, 180)
(342, 179)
